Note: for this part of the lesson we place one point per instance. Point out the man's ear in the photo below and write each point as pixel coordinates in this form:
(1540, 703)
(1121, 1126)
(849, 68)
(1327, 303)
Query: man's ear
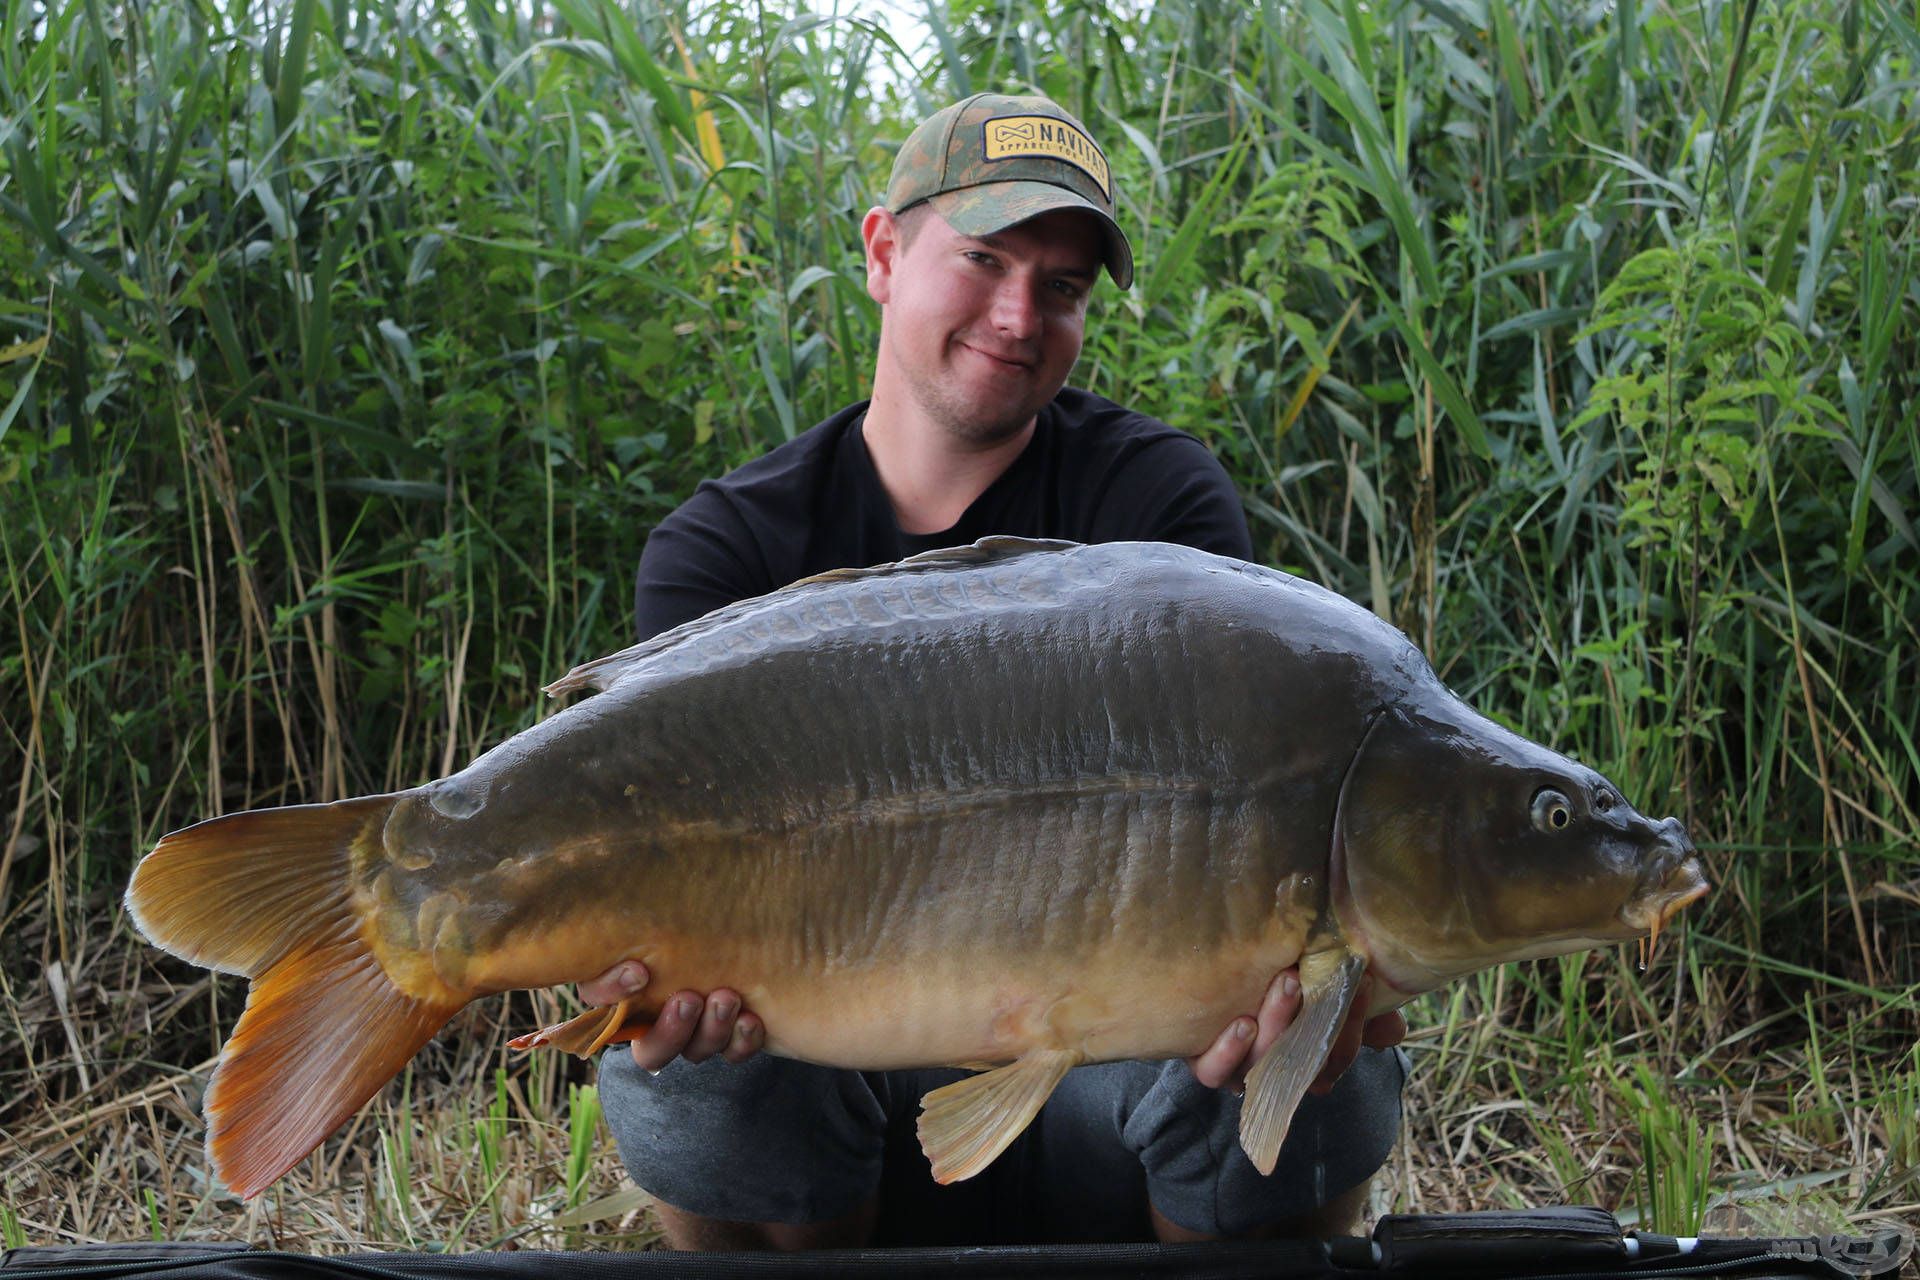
(881, 234)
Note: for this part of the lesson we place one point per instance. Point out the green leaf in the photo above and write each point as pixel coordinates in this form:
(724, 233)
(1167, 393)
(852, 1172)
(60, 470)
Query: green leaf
(956, 66)
(808, 278)
(630, 55)
(1199, 220)
(293, 65)
(1533, 322)
(382, 442)
(402, 345)
(12, 410)
(414, 490)
(1445, 389)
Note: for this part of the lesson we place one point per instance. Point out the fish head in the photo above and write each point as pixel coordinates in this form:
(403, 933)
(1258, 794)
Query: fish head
(1460, 845)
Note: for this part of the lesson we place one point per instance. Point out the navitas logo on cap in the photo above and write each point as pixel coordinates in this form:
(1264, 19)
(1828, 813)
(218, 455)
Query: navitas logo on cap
(1008, 137)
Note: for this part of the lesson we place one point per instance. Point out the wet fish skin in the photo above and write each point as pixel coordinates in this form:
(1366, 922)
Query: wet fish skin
(1097, 733)
(1016, 802)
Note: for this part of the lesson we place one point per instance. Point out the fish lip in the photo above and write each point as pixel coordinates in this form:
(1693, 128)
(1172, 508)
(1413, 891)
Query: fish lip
(1684, 884)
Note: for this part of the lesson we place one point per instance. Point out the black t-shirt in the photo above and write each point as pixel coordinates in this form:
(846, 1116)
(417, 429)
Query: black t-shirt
(1093, 472)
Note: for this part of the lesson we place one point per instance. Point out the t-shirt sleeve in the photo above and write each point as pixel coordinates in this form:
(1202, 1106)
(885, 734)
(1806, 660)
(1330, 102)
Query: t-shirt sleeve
(1173, 490)
(701, 557)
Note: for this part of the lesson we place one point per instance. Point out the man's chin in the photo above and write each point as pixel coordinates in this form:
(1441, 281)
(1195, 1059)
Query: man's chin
(981, 419)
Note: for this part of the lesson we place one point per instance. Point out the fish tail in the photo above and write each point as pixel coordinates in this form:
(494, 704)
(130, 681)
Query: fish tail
(267, 894)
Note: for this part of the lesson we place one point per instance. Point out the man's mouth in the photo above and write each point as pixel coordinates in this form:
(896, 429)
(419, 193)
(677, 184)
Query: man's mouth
(1009, 360)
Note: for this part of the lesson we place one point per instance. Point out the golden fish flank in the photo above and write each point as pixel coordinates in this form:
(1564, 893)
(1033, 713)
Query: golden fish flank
(1027, 803)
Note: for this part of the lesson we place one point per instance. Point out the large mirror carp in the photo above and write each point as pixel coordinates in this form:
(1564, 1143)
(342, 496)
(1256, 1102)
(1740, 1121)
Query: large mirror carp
(1021, 803)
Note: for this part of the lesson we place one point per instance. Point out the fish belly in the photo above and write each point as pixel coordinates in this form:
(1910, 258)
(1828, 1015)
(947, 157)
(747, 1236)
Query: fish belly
(1113, 1007)
(1110, 917)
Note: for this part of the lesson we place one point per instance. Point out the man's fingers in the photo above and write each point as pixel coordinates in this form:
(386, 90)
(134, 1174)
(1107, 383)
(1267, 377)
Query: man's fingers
(1277, 1011)
(748, 1037)
(670, 1032)
(715, 1030)
(627, 978)
(1227, 1060)
(1385, 1031)
(1220, 1061)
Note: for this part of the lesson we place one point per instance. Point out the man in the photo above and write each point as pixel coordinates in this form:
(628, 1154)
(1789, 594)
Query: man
(997, 220)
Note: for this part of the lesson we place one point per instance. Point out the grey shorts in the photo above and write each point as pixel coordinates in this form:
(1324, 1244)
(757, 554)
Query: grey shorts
(774, 1140)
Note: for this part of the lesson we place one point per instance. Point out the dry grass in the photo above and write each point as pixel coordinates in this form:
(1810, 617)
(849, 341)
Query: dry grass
(101, 1140)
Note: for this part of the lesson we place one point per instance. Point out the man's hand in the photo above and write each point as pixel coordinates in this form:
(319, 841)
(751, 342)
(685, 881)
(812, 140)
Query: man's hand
(1225, 1063)
(690, 1026)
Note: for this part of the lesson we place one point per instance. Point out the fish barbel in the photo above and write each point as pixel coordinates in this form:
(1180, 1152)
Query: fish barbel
(1024, 803)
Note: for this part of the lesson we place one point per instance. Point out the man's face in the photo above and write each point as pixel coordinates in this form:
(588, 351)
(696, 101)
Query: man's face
(981, 332)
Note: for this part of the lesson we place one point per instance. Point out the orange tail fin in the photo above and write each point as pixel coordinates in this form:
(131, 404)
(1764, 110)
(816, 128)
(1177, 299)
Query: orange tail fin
(265, 894)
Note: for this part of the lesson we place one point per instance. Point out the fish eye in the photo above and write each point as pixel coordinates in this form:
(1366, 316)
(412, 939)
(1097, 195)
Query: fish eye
(1552, 811)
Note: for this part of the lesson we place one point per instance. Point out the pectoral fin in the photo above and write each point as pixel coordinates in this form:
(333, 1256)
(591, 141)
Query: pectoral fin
(964, 1125)
(1280, 1078)
(588, 1033)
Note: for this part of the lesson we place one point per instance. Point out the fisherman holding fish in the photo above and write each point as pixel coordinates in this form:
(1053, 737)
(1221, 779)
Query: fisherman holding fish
(957, 823)
(997, 219)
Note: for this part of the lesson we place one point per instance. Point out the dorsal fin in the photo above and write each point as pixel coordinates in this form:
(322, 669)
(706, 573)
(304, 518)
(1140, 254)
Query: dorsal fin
(988, 550)
(603, 673)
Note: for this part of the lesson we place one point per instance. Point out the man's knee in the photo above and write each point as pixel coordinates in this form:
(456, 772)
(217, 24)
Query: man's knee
(767, 1141)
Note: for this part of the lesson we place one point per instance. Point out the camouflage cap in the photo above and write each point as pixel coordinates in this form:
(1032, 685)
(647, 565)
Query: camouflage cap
(993, 160)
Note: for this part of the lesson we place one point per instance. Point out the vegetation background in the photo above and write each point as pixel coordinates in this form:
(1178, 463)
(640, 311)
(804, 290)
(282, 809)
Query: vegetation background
(349, 348)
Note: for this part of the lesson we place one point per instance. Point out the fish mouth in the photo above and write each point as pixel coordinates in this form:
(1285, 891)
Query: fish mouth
(1684, 884)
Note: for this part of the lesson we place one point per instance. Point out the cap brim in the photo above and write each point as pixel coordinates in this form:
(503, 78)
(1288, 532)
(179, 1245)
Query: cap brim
(1015, 202)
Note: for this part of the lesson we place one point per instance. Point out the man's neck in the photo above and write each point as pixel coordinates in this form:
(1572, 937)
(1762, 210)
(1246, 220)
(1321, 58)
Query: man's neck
(930, 477)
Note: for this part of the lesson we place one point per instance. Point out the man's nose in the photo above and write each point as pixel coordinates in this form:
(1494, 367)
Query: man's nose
(1015, 312)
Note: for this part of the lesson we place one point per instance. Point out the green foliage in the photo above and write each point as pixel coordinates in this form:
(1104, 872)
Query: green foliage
(348, 351)
(392, 1202)
(1900, 1115)
(583, 1129)
(583, 1141)
(490, 1132)
(1676, 1154)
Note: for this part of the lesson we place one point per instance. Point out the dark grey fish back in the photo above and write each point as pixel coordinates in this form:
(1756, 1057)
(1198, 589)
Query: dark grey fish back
(1005, 664)
(1032, 573)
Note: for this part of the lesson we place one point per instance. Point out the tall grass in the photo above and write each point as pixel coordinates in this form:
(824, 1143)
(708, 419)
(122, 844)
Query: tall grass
(349, 350)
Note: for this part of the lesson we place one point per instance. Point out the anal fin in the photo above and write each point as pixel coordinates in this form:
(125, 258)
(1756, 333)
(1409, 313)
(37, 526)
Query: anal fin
(588, 1033)
(1279, 1080)
(964, 1125)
